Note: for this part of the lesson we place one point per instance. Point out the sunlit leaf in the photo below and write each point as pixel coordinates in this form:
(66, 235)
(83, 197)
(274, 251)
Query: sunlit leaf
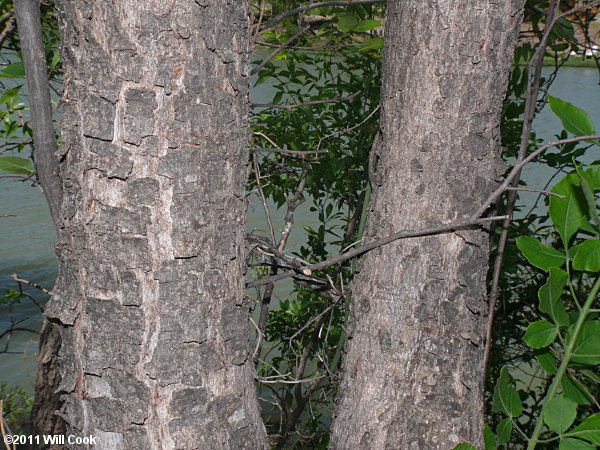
(568, 213)
(574, 120)
(13, 70)
(574, 444)
(588, 430)
(587, 347)
(366, 25)
(538, 254)
(16, 165)
(588, 256)
(559, 414)
(540, 334)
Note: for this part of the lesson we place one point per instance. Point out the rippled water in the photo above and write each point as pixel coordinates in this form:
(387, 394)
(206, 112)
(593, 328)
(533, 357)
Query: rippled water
(26, 240)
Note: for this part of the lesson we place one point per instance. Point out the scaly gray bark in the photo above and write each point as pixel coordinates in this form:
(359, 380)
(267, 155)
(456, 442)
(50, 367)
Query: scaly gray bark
(150, 296)
(412, 371)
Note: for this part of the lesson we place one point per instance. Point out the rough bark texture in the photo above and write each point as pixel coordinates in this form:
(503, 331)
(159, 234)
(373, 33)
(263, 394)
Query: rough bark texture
(412, 372)
(149, 298)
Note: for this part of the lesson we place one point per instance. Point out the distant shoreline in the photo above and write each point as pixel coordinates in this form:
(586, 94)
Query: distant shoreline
(571, 62)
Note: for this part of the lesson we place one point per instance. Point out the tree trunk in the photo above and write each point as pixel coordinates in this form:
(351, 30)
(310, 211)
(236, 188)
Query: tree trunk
(27, 13)
(413, 372)
(149, 298)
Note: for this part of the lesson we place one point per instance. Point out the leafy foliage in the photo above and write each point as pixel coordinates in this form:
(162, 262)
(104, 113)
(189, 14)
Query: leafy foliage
(16, 407)
(576, 324)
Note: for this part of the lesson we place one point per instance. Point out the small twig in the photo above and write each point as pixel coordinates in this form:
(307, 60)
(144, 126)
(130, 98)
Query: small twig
(298, 105)
(4, 428)
(15, 329)
(37, 286)
(325, 311)
(539, 191)
(347, 130)
(276, 52)
(259, 338)
(260, 19)
(262, 196)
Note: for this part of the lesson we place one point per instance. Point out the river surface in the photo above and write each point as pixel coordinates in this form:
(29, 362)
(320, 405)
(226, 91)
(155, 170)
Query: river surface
(27, 234)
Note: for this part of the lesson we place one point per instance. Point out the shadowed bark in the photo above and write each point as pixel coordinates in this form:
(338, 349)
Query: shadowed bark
(412, 370)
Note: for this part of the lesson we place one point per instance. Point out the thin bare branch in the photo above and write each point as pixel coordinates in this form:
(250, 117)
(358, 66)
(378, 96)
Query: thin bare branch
(262, 196)
(37, 286)
(306, 380)
(315, 102)
(539, 191)
(374, 244)
(276, 52)
(285, 151)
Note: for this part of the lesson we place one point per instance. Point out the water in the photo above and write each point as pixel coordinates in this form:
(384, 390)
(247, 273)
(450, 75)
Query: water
(580, 87)
(26, 239)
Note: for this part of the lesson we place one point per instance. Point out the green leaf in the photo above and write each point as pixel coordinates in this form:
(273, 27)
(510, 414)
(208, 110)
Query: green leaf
(465, 446)
(366, 25)
(16, 165)
(540, 334)
(9, 94)
(587, 348)
(547, 360)
(588, 430)
(347, 22)
(506, 399)
(593, 177)
(574, 120)
(489, 440)
(504, 430)
(549, 295)
(560, 414)
(371, 44)
(574, 444)
(586, 182)
(573, 391)
(13, 70)
(569, 213)
(538, 254)
(55, 59)
(588, 256)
